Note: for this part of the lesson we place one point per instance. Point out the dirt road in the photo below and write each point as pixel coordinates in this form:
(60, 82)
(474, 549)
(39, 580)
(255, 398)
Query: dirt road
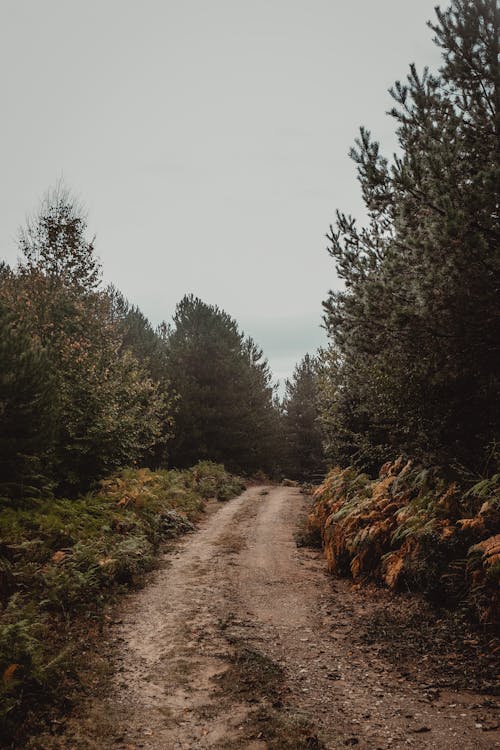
(241, 640)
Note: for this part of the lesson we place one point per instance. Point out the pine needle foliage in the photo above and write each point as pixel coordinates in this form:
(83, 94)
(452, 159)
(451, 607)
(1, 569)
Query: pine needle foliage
(303, 456)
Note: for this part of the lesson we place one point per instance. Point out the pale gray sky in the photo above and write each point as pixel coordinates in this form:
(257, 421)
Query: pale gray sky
(207, 138)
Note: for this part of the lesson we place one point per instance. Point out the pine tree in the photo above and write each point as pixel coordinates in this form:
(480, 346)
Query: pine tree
(225, 411)
(147, 344)
(28, 410)
(303, 438)
(415, 329)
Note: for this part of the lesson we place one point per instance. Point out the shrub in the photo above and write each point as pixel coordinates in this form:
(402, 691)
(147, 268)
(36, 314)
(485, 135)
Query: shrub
(212, 480)
(410, 529)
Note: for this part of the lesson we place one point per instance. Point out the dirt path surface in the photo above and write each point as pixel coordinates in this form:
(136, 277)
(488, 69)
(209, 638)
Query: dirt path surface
(241, 640)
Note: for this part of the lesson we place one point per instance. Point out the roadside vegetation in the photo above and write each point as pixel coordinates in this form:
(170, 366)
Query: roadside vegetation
(63, 560)
(409, 379)
(101, 417)
(411, 531)
(412, 363)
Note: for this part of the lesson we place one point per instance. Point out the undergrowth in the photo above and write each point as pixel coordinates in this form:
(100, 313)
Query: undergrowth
(411, 530)
(62, 560)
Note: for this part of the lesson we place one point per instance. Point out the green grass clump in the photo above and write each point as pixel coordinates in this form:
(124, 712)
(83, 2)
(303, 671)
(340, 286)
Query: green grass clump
(212, 480)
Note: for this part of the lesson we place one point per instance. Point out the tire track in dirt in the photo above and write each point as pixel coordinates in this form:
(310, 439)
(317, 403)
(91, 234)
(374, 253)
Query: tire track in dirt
(239, 585)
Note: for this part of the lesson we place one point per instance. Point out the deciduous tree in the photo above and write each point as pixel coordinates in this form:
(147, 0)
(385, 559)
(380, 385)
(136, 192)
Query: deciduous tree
(111, 413)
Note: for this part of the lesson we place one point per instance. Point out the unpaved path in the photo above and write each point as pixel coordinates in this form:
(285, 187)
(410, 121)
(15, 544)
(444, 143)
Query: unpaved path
(242, 641)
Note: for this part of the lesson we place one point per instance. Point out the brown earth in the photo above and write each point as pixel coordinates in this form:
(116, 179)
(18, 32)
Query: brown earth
(242, 641)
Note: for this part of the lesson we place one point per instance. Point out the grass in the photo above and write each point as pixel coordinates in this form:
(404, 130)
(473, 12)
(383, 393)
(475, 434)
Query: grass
(62, 561)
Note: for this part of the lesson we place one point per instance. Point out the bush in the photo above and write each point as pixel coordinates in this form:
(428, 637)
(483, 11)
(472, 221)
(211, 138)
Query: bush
(411, 530)
(212, 480)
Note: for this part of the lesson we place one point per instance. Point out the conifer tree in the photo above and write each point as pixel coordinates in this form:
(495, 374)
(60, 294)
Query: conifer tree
(225, 411)
(303, 438)
(415, 330)
(147, 344)
(28, 410)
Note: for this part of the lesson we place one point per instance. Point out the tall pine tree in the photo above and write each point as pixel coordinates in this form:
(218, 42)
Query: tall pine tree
(304, 457)
(225, 411)
(415, 330)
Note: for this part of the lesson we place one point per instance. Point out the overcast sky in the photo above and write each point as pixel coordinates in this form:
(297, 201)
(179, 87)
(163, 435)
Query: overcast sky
(208, 140)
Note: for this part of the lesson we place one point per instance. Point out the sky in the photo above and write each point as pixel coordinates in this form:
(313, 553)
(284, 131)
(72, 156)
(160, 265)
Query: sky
(207, 139)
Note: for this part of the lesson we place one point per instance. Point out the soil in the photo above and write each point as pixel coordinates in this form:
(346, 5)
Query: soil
(242, 641)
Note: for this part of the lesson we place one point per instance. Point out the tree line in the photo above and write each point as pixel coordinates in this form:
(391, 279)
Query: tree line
(88, 385)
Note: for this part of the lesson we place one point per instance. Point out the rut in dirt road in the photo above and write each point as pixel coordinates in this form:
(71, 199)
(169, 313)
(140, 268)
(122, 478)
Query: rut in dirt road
(242, 641)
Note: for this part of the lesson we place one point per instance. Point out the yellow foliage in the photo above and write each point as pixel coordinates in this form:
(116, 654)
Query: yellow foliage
(380, 489)
(9, 672)
(450, 499)
(384, 471)
(447, 531)
(384, 529)
(470, 523)
(490, 549)
(393, 568)
(357, 565)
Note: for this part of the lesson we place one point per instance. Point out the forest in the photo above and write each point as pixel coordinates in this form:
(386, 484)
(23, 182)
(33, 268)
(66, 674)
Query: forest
(114, 432)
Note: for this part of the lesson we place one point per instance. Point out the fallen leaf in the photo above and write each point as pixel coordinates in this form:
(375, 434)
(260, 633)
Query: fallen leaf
(9, 672)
